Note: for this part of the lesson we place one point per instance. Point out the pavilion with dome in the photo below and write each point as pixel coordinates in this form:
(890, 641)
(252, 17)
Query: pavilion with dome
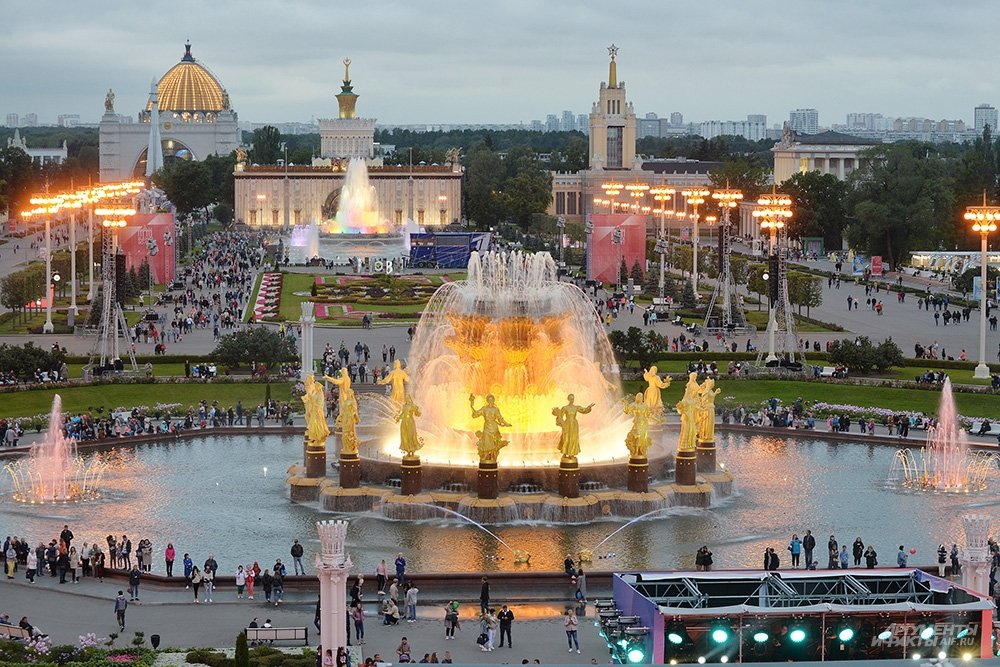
(193, 119)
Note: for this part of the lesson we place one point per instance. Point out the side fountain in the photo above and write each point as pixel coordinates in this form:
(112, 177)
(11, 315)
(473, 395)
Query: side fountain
(945, 463)
(513, 398)
(303, 244)
(53, 472)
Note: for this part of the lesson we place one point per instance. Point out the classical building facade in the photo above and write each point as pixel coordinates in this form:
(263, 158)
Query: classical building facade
(194, 119)
(612, 159)
(826, 152)
(40, 156)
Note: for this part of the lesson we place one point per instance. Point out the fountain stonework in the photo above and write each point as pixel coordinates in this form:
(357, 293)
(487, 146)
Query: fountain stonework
(516, 341)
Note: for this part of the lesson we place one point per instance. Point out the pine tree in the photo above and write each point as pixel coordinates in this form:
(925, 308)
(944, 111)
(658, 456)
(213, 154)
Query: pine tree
(687, 296)
(637, 272)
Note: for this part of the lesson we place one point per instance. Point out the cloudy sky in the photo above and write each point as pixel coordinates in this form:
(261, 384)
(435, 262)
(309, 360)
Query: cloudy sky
(462, 61)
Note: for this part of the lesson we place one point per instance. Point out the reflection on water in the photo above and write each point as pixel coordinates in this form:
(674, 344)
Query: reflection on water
(213, 495)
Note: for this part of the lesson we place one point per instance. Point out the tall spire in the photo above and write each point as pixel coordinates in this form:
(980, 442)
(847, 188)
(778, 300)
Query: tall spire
(347, 98)
(154, 151)
(612, 70)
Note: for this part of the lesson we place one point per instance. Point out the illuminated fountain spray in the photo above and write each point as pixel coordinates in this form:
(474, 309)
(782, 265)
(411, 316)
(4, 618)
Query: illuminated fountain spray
(357, 209)
(53, 472)
(945, 463)
(513, 330)
(303, 244)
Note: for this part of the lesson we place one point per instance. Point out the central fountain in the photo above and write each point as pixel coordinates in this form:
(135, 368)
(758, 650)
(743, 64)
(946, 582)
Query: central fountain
(53, 472)
(510, 407)
(357, 207)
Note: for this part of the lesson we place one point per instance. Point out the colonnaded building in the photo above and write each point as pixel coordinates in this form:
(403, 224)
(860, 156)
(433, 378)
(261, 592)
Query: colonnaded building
(286, 195)
(194, 116)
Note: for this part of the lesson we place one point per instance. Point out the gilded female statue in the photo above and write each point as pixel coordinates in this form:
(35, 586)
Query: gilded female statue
(315, 404)
(569, 440)
(637, 439)
(706, 411)
(398, 378)
(409, 441)
(347, 423)
(490, 441)
(687, 407)
(654, 384)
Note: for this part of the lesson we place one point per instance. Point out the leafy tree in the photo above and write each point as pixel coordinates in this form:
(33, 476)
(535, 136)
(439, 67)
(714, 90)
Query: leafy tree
(635, 345)
(255, 345)
(681, 257)
(963, 282)
(862, 356)
(818, 207)
(223, 213)
(756, 282)
(739, 267)
(747, 175)
(900, 200)
(266, 145)
(527, 191)
(804, 290)
(188, 184)
(483, 173)
(572, 158)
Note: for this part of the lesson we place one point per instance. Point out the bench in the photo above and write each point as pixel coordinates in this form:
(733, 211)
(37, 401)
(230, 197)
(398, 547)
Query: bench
(269, 635)
(14, 632)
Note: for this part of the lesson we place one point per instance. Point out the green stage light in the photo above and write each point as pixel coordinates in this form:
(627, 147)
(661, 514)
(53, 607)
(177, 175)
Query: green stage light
(798, 635)
(636, 655)
(926, 632)
(885, 635)
(760, 636)
(720, 635)
(846, 634)
(964, 632)
(675, 637)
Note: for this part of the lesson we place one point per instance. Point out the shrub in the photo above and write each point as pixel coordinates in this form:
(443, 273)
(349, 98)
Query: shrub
(242, 657)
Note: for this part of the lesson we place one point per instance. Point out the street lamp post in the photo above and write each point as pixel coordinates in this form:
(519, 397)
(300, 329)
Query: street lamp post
(49, 205)
(984, 220)
(588, 229)
(773, 209)
(92, 197)
(561, 226)
(661, 195)
(617, 236)
(695, 197)
(727, 199)
(612, 189)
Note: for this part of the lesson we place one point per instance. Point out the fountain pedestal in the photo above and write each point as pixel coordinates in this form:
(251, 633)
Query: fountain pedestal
(350, 470)
(638, 474)
(410, 475)
(686, 468)
(489, 484)
(706, 456)
(315, 458)
(569, 477)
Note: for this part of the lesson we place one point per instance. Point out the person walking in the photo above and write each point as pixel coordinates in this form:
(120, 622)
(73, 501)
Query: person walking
(506, 619)
(380, 577)
(484, 596)
(808, 546)
(267, 583)
(121, 604)
(31, 566)
(450, 619)
(297, 558)
(489, 627)
(358, 616)
(795, 548)
(570, 624)
(168, 558)
(401, 570)
(411, 602)
(133, 582)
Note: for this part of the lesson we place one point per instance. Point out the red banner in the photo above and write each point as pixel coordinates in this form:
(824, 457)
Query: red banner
(149, 237)
(876, 265)
(605, 255)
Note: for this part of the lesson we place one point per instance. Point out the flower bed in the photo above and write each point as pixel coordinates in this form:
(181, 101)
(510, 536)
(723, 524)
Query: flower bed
(268, 301)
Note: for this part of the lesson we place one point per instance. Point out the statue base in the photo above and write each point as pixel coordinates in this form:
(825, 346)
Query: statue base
(706, 456)
(569, 477)
(686, 468)
(315, 458)
(350, 470)
(488, 487)
(638, 475)
(410, 474)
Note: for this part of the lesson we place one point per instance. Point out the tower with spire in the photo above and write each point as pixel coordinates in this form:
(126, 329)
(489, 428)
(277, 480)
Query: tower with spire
(612, 123)
(154, 151)
(347, 136)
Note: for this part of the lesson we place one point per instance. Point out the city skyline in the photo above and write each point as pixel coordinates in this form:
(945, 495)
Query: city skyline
(898, 59)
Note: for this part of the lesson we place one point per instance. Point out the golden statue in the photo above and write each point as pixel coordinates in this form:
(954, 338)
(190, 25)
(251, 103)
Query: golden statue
(343, 382)
(409, 441)
(654, 383)
(347, 69)
(688, 407)
(569, 441)
(241, 156)
(347, 423)
(109, 101)
(638, 440)
(706, 411)
(315, 403)
(397, 377)
(521, 556)
(585, 555)
(490, 441)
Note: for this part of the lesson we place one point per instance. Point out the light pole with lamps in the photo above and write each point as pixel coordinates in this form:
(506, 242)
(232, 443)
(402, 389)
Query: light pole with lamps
(612, 189)
(284, 148)
(48, 206)
(661, 195)
(695, 197)
(984, 220)
(617, 237)
(772, 210)
(727, 199)
(561, 226)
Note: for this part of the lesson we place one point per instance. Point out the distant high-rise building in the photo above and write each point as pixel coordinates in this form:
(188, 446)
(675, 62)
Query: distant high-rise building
(568, 123)
(31, 120)
(582, 123)
(757, 118)
(677, 118)
(872, 122)
(986, 115)
(551, 123)
(753, 128)
(804, 121)
(68, 120)
(648, 126)
(12, 120)
(537, 126)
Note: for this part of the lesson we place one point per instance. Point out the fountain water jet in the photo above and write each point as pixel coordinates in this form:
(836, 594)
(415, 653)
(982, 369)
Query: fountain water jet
(357, 209)
(53, 472)
(303, 244)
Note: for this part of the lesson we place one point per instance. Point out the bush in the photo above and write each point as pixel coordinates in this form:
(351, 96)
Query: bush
(242, 657)
(254, 345)
(862, 356)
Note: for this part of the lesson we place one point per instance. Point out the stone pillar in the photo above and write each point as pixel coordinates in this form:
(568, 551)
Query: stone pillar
(350, 470)
(489, 483)
(333, 566)
(314, 457)
(638, 474)
(569, 477)
(706, 456)
(686, 467)
(977, 559)
(307, 322)
(410, 473)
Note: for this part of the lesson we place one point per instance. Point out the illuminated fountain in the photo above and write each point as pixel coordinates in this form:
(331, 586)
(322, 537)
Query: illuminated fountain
(53, 472)
(303, 244)
(357, 208)
(945, 464)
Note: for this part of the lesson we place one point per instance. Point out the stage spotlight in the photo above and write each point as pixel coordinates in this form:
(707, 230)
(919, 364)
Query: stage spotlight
(926, 632)
(846, 634)
(885, 635)
(720, 635)
(761, 636)
(798, 635)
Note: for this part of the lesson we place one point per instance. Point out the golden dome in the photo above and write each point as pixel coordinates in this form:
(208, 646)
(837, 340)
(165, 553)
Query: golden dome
(189, 87)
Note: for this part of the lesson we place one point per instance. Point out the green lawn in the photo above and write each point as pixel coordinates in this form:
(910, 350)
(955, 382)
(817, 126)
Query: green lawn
(957, 375)
(753, 392)
(80, 399)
